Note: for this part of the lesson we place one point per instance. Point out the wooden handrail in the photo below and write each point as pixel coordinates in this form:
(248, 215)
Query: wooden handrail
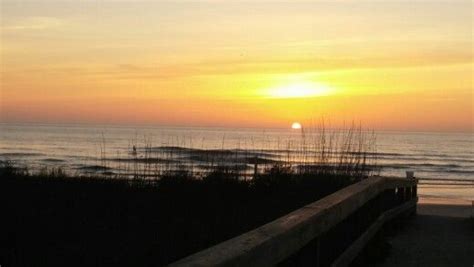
(278, 240)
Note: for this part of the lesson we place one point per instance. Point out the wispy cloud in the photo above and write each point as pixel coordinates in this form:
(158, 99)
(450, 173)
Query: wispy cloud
(31, 23)
(245, 66)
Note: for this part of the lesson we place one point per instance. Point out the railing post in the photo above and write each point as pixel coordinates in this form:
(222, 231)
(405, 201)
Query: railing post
(404, 194)
(399, 194)
(318, 252)
(413, 189)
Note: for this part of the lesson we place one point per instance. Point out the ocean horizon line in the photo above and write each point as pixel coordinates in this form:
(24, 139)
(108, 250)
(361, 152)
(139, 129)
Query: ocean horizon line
(217, 127)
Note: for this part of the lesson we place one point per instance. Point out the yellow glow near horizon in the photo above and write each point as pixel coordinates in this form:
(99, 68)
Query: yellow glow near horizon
(299, 90)
(296, 126)
(238, 65)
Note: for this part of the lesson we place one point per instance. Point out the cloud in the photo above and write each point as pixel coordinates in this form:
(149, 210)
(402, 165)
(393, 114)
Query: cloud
(231, 67)
(32, 23)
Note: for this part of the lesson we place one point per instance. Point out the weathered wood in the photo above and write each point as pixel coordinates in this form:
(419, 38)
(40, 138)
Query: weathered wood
(277, 240)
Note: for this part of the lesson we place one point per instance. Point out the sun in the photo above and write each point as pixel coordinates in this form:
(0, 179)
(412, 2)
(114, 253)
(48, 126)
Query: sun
(296, 126)
(299, 90)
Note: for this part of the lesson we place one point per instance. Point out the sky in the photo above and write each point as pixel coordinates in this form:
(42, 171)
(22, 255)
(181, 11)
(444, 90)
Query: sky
(391, 65)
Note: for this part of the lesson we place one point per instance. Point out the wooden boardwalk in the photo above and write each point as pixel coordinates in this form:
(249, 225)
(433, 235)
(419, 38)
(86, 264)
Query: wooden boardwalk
(442, 234)
(329, 232)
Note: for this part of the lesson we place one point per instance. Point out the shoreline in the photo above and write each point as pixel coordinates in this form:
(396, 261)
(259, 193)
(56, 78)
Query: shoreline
(445, 207)
(446, 194)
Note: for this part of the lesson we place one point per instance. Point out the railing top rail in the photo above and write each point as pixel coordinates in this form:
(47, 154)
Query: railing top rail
(275, 241)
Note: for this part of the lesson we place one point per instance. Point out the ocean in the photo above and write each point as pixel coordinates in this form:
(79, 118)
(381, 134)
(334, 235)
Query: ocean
(86, 149)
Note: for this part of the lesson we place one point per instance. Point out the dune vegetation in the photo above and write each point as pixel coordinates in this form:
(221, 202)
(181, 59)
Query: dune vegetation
(53, 218)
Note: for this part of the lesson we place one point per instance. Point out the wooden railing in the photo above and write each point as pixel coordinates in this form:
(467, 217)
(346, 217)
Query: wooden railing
(328, 232)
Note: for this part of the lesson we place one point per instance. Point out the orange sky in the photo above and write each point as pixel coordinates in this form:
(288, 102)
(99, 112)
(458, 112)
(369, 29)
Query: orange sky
(401, 65)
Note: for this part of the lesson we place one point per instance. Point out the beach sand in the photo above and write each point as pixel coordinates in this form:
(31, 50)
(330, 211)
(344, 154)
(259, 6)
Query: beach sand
(441, 234)
(446, 207)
